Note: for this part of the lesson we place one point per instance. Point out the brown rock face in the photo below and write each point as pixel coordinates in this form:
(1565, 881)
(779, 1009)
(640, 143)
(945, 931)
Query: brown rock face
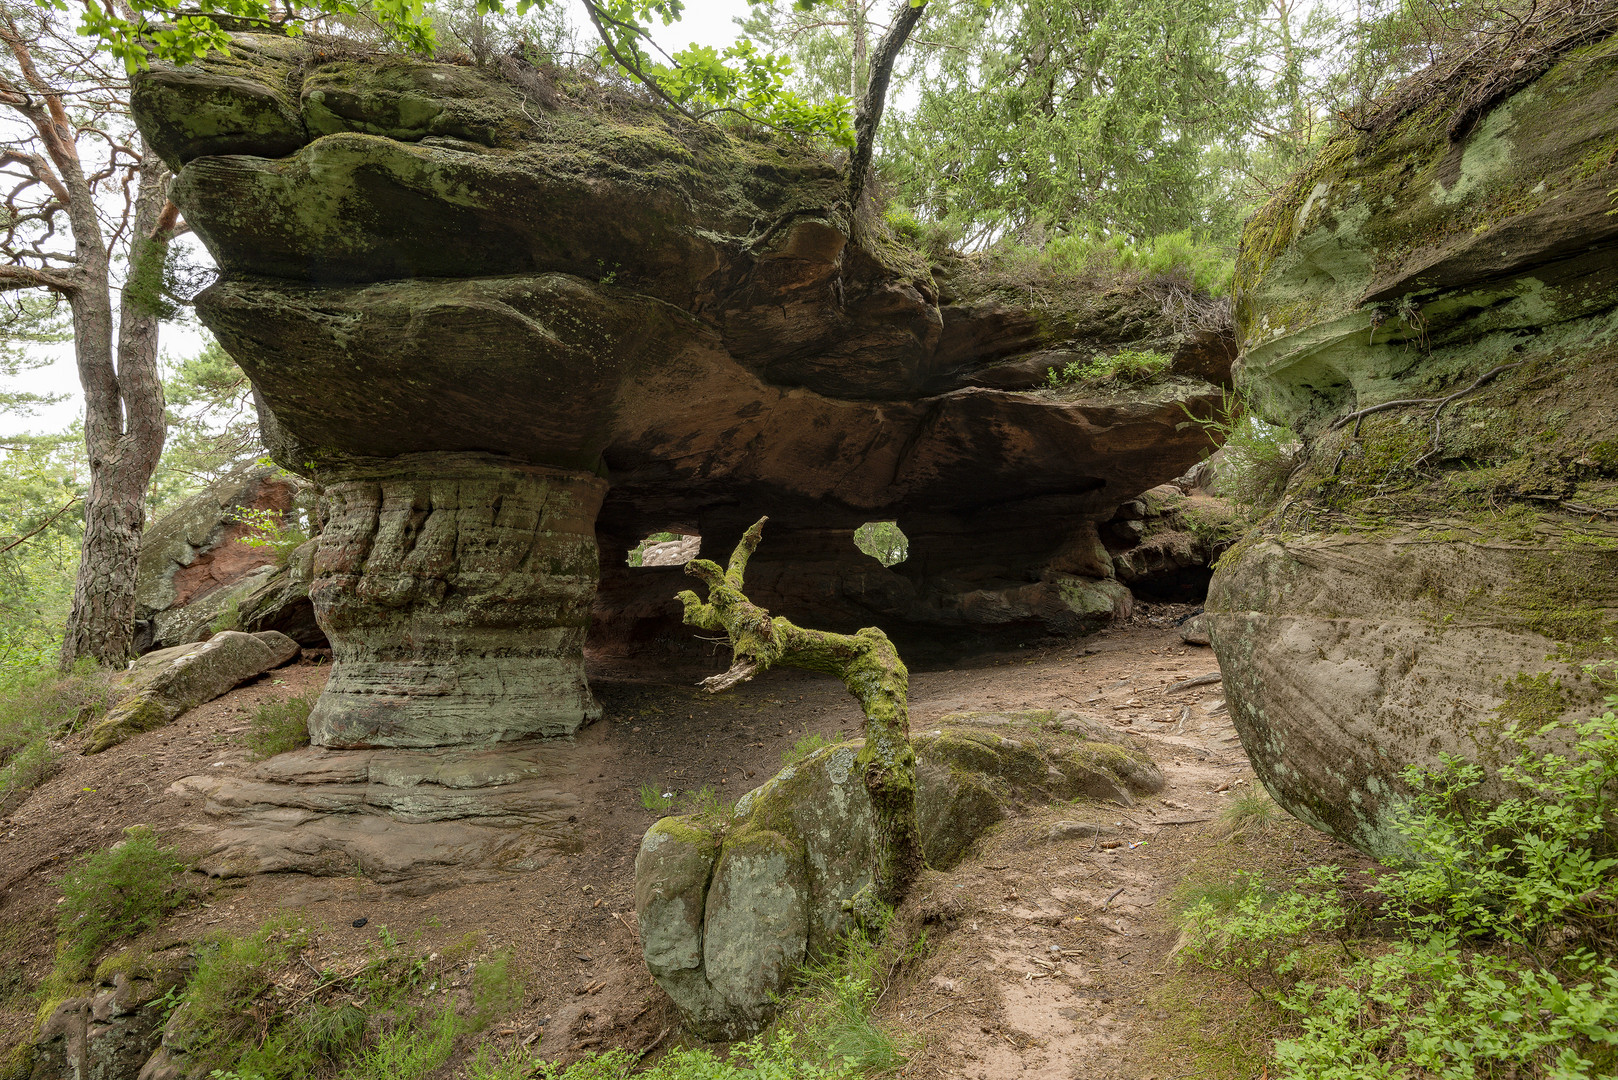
(194, 562)
(456, 592)
(423, 261)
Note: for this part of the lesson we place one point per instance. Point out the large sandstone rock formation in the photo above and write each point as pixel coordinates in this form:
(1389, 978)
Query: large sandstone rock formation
(479, 309)
(1437, 315)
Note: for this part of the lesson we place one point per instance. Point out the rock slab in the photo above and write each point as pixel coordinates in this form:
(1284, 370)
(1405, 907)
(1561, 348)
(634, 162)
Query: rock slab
(163, 685)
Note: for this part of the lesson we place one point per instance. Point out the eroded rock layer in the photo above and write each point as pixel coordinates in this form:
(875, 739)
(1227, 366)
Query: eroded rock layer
(456, 592)
(1438, 318)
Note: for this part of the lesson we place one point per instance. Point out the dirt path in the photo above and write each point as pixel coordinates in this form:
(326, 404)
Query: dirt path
(1043, 954)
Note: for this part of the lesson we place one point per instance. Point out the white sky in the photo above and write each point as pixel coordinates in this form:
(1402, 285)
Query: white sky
(706, 22)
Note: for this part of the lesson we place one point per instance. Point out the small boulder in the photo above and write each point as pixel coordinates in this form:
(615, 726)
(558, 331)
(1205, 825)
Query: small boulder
(1194, 631)
(111, 1032)
(162, 685)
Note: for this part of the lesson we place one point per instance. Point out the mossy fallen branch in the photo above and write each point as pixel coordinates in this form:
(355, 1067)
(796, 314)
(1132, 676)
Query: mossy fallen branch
(866, 662)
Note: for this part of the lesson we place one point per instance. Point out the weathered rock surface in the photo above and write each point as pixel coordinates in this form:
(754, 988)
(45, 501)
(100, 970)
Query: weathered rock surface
(194, 567)
(730, 905)
(162, 685)
(1439, 568)
(456, 593)
(111, 1033)
(423, 817)
(423, 261)
(281, 601)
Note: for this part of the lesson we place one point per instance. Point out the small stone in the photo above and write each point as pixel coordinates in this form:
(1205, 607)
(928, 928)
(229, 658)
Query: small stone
(359, 922)
(1194, 631)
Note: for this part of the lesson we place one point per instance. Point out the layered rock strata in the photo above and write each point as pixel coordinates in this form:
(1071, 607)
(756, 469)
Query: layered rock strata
(426, 817)
(423, 260)
(456, 592)
(1437, 317)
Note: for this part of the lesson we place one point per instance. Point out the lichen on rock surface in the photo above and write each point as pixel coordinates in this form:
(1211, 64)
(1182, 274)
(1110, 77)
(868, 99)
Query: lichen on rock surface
(729, 902)
(1438, 318)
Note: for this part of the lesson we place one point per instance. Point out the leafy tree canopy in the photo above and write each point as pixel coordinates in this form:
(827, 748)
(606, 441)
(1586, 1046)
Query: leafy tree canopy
(698, 81)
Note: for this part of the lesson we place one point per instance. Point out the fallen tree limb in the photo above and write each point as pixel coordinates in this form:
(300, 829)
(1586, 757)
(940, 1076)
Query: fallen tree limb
(868, 665)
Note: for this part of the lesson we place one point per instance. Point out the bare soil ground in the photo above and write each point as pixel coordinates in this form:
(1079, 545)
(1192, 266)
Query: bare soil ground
(1046, 959)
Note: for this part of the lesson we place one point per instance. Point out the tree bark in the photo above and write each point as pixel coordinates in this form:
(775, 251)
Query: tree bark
(868, 665)
(869, 115)
(124, 424)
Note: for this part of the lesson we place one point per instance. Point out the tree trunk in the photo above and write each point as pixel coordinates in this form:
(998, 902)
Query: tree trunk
(868, 665)
(124, 424)
(869, 115)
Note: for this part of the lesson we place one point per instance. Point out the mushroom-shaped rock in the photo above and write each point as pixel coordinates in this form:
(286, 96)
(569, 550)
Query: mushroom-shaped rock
(1434, 313)
(482, 306)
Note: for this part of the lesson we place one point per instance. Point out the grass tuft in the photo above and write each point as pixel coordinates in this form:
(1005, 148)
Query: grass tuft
(279, 726)
(116, 894)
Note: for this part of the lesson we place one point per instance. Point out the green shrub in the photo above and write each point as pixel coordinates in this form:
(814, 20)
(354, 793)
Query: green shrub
(496, 991)
(1186, 257)
(229, 617)
(1502, 911)
(1259, 932)
(271, 529)
(490, 1064)
(762, 1058)
(279, 726)
(1257, 457)
(803, 748)
(36, 706)
(409, 1050)
(116, 894)
(1253, 811)
(216, 1008)
(653, 799)
(1124, 366)
(1428, 1009)
(1521, 868)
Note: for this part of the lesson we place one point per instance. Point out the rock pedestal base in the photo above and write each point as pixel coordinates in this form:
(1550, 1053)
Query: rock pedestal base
(456, 592)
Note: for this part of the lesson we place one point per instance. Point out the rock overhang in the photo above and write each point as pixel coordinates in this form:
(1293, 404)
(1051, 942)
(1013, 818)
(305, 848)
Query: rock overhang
(420, 256)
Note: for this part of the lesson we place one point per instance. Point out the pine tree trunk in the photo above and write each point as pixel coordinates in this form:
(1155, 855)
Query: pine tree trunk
(124, 423)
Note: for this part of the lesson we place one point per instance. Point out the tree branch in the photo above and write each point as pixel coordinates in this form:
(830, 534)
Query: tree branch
(868, 665)
(48, 522)
(596, 15)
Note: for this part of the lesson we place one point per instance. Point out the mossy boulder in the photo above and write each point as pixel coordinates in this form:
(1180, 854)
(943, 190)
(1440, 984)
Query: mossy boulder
(1438, 319)
(162, 685)
(729, 903)
(111, 1032)
(196, 564)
